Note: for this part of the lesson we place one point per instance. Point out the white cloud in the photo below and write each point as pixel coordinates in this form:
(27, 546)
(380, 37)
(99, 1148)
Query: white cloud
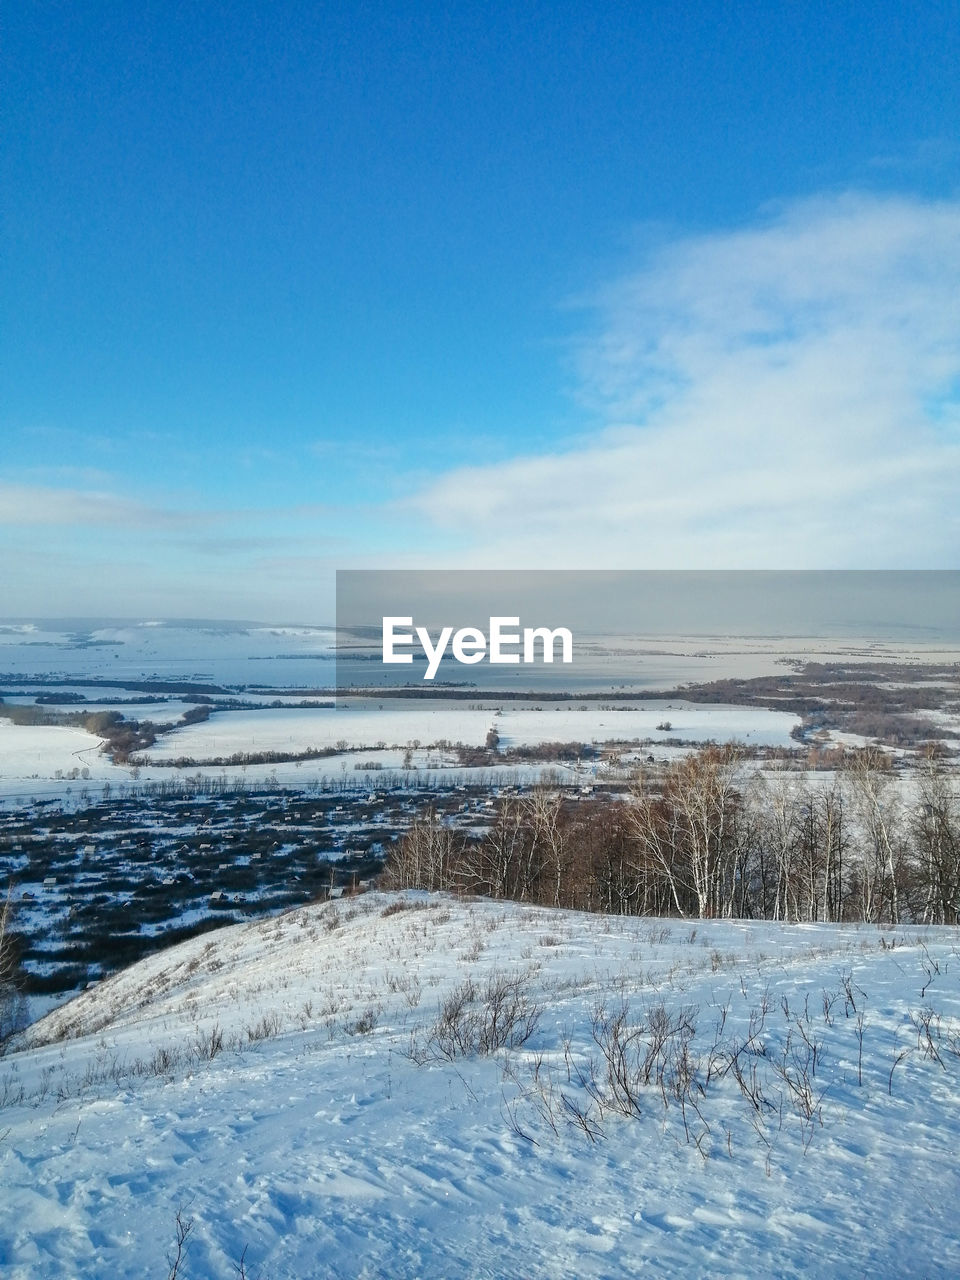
(782, 396)
(25, 504)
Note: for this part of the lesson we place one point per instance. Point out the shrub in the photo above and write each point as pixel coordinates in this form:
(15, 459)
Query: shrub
(475, 1020)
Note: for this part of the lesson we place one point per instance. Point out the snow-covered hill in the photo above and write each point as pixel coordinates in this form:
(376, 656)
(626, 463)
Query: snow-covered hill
(416, 1086)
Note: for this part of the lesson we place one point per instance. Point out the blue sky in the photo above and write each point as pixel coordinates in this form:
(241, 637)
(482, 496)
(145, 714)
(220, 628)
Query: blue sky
(294, 287)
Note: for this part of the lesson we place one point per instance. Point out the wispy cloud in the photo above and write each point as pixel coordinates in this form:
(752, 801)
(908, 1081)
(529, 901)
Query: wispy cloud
(354, 451)
(82, 550)
(784, 395)
(26, 504)
(926, 155)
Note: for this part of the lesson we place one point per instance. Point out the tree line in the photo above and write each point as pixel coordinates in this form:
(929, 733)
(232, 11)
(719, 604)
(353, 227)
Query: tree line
(709, 836)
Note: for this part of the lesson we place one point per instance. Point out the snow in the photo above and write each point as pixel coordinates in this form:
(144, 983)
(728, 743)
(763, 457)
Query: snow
(231, 653)
(38, 751)
(362, 723)
(339, 1145)
(167, 712)
(246, 654)
(49, 760)
(46, 760)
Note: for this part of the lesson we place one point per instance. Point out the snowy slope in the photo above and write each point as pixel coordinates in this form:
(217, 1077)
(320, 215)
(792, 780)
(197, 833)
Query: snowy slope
(40, 751)
(280, 1085)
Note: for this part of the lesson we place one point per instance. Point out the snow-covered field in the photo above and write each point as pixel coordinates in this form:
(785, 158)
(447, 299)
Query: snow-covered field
(33, 752)
(25, 777)
(284, 1085)
(363, 723)
(49, 760)
(282, 662)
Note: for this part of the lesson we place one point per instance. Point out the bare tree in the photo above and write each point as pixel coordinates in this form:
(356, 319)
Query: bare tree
(781, 804)
(427, 857)
(689, 832)
(657, 838)
(9, 968)
(495, 866)
(878, 806)
(936, 841)
(544, 812)
(827, 859)
(703, 790)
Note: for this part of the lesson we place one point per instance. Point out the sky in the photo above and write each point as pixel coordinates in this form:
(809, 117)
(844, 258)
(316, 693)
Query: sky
(289, 288)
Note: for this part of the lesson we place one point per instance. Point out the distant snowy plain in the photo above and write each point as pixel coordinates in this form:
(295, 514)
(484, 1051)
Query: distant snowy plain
(363, 723)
